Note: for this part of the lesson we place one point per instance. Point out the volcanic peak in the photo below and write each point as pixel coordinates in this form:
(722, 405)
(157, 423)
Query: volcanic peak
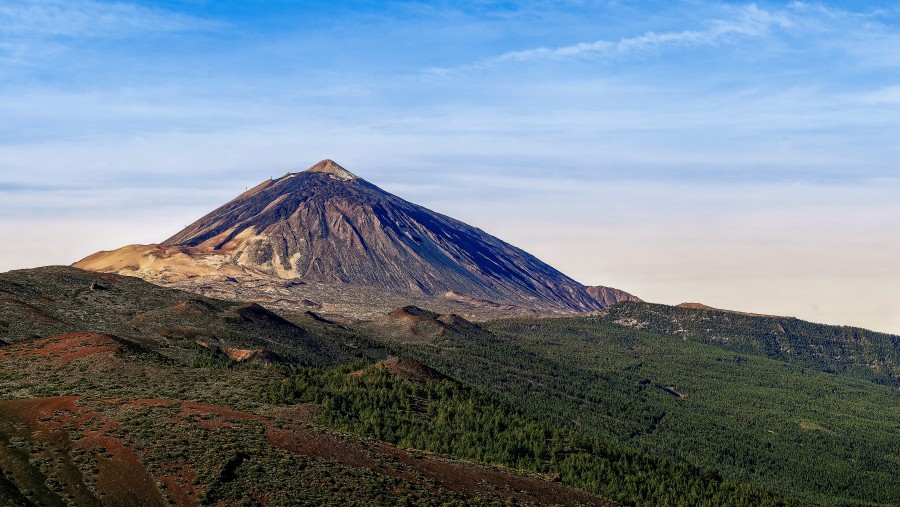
(326, 226)
(333, 169)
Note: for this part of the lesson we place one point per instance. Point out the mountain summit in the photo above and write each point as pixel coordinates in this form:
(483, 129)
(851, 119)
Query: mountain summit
(327, 226)
(329, 166)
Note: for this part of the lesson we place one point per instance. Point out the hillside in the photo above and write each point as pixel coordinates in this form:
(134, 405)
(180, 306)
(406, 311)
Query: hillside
(639, 403)
(77, 429)
(50, 301)
(90, 401)
(828, 439)
(831, 349)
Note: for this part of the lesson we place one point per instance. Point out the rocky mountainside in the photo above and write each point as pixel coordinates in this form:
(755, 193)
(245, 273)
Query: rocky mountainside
(58, 300)
(346, 239)
(607, 296)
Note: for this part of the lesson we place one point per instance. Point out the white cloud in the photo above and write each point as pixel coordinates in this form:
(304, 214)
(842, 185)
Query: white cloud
(749, 21)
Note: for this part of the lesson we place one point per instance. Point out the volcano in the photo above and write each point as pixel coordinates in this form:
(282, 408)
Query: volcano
(339, 240)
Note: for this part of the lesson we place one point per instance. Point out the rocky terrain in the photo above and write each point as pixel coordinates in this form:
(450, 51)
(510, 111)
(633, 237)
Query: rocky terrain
(116, 391)
(327, 240)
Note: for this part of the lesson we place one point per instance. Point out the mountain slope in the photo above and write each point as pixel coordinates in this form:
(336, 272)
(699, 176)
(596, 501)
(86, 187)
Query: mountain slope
(326, 226)
(829, 439)
(56, 300)
(832, 349)
(86, 419)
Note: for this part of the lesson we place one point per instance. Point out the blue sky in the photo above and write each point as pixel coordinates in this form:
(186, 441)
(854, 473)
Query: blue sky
(741, 154)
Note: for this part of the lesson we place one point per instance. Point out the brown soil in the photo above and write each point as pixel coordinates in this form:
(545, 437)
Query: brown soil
(66, 348)
(477, 480)
(120, 477)
(179, 482)
(468, 478)
(122, 480)
(241, 355)
(413, 322)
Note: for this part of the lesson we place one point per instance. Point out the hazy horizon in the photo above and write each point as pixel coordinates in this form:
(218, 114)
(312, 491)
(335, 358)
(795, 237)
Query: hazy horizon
(740, 155)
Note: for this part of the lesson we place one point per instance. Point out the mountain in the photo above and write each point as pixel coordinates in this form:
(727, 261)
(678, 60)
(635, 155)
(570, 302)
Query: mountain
(331, 241)
(414, 324)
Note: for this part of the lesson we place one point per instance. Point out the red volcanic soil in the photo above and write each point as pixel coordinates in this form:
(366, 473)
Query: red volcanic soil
(457, 476)
(461, 477)
(476, 480)
(64, 349)
(120, 477)
(87, 463)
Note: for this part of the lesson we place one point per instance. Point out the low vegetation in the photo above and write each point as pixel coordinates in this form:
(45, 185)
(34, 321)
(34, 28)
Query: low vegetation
(588, 410)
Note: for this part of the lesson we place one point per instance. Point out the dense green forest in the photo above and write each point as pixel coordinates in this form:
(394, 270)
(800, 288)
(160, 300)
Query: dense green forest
(448, 418)
(825, 438)
(832, 349)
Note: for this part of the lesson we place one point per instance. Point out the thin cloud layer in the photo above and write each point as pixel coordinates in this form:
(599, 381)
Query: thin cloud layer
(856, 32)
(31, 30)
(750, 22)
(88, 18)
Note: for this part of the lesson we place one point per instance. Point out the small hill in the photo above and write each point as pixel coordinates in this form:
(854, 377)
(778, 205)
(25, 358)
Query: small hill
(406, 369)
(701, 306)
(413, 324)
(53, 301)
